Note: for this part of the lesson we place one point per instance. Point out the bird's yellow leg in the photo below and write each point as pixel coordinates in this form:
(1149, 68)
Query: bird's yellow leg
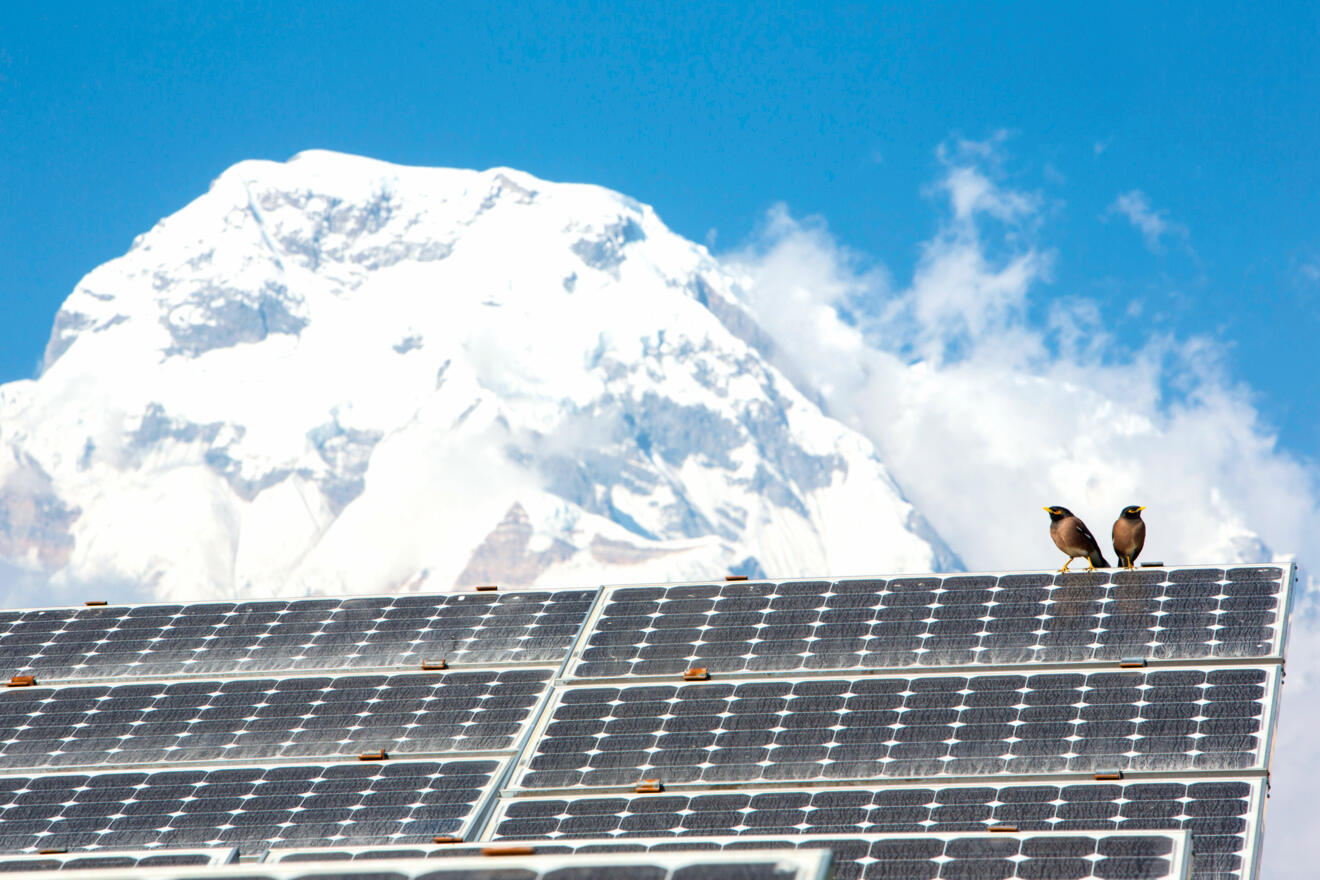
(1090, 566)
(1066, 564)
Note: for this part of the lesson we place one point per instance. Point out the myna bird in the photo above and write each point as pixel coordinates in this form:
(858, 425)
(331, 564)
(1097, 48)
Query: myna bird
(1072, 536)
(1129, 536)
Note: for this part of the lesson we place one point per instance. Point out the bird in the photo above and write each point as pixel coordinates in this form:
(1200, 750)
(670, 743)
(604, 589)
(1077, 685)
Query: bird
(1072, 536)
(1129, 536)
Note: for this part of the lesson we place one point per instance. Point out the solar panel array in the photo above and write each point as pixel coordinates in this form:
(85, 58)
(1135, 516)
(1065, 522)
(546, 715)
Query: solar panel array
(167, 728)
(149, 641)
(933, 621)
(903, 726)
(1106, 724)
(780, 864)
(243, 805)
(1076, 856)
(261, 718)
(11, 864)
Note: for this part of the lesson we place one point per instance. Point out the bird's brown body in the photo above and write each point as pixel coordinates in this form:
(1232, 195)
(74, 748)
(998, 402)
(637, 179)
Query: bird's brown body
(1072, 536)
(1129, 536)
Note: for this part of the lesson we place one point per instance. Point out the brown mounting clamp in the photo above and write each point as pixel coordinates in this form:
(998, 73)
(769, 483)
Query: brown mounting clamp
(434, 665)
(21, 681)
(696, 673)
(374, 756)
(649, 786)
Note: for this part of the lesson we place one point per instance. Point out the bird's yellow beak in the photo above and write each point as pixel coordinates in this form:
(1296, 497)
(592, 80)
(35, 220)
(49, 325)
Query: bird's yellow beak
(1047, 509)
(1140, 509)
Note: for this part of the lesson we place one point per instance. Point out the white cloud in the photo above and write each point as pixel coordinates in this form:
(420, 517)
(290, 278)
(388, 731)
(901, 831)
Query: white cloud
(984, 416)
(1153, 225)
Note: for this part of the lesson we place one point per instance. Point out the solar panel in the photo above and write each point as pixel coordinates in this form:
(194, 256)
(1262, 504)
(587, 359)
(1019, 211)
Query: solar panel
(877, 623)
(778, 864)
(148, 641)
(254, 719)
(1118, 722)
(248, 806)
(781, 729)
(1114, 855)
(117, 859)
(1222, 814)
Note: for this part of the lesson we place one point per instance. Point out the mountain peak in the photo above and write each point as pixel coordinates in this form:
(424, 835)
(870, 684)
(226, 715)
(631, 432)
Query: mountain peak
(339, 374)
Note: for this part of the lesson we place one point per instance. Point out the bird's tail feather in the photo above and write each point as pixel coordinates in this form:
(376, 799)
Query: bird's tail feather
(1098, 559)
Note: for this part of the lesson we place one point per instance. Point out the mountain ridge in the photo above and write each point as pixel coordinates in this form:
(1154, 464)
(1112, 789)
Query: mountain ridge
(334, 374)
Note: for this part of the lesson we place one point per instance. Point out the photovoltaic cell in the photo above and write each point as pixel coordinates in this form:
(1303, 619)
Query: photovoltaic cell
(937, 621)
(779, 864)
(304, 634)
(1113, 855)
(902, 726)
(117, 859)
(749, 761)
(1218, 813)
(253, 719)
(246, 806)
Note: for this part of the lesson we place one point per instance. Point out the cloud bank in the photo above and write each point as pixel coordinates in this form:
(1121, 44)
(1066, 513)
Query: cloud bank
(989, 394)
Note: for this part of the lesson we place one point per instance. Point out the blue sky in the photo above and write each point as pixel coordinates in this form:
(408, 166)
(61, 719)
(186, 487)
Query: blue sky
(1173, 148)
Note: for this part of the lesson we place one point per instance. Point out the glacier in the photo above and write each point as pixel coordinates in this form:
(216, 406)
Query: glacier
(339, 375)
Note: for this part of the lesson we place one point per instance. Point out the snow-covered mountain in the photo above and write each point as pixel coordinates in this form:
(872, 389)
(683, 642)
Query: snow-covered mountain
(340, 375)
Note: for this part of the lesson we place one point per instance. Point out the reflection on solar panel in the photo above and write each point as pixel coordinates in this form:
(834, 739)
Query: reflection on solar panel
(117, 859)
(304, 634)
(779, 864)
(253, 719)
(1114, 855)
(1107, 725)
(934, 621)
(387, 802)
(837, 728)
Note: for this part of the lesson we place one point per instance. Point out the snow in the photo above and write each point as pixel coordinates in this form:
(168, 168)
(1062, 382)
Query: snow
(339, 375)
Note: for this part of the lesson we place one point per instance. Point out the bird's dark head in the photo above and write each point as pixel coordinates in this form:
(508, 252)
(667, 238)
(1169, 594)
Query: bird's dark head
(1132, 512)
(1057, 513)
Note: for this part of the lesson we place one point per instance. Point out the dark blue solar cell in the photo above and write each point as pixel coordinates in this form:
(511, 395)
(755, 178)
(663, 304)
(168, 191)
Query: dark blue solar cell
(164, 640)
(930, 621)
